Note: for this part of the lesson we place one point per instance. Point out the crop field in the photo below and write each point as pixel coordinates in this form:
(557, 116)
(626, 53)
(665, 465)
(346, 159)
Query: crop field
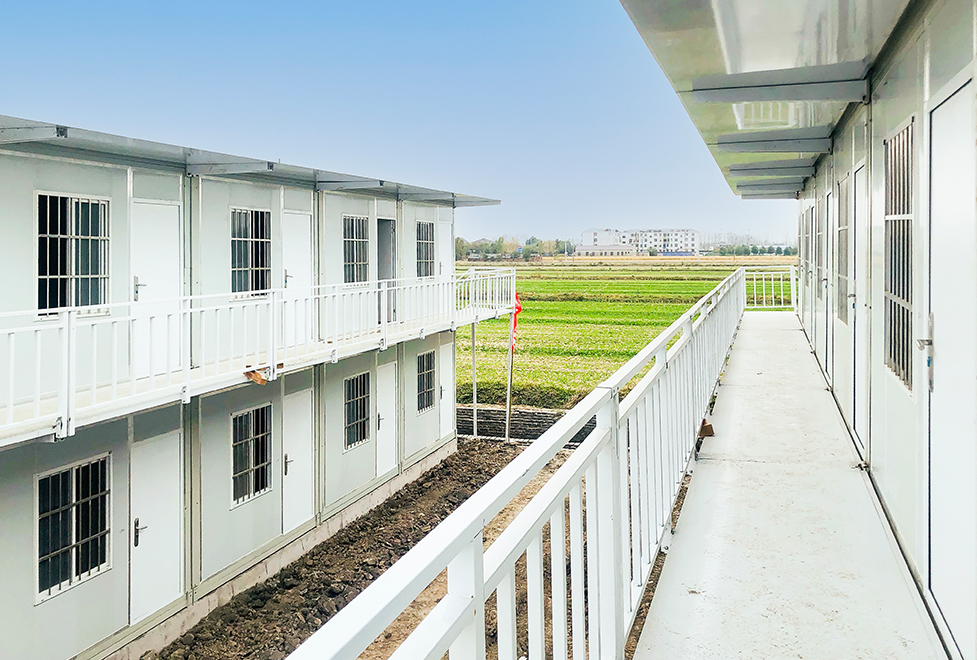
(578, 325)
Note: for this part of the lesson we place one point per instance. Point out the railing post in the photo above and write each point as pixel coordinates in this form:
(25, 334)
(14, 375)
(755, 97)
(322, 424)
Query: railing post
(66, 405)
(609, 542)
(466, 579)
(383, 302)
(274, 299)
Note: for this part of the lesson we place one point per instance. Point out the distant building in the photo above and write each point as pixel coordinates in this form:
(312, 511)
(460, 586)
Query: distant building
(664, 241)
(619, 250)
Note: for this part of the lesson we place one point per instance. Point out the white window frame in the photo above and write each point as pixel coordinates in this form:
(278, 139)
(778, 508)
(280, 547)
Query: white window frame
(250, 241)
(369, 416)
(353, 243)
(47, 314)
(271, 454)
(40, 597)
(434, 381)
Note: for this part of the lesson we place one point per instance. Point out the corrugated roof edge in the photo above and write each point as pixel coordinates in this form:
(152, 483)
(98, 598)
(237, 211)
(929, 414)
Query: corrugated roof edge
(30, 136)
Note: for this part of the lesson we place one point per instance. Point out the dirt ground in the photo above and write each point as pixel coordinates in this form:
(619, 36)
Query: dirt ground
(271, 619)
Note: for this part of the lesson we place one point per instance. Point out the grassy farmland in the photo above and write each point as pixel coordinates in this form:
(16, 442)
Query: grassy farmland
(579, 324)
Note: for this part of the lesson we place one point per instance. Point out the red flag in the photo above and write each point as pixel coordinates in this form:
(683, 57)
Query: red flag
(515, 320)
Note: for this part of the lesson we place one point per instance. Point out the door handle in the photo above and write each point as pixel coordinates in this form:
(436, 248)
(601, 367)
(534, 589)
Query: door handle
(135, 532)
(136, 285)
(287, 461)
(286, 277)
(923, 344)
(379, 419)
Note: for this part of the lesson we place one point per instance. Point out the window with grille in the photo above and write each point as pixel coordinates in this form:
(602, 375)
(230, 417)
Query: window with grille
(250, 250)
(72, 252)
(425, 249)
(356, 396)
(425, 381)
(898, 321)
(251, 452)
(72, 525)
(841, 270)
(356, 248)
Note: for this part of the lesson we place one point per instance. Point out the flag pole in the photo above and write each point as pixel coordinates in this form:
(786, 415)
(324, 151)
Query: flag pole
(508, 391)
(474, 388)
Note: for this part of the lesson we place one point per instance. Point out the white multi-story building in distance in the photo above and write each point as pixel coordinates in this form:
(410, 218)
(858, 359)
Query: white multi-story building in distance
(664, 241)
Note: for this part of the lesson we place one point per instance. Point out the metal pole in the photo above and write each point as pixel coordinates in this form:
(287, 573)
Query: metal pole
(508, 390)
(474, 388)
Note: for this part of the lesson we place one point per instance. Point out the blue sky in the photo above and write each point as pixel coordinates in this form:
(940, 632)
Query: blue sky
(555, 107)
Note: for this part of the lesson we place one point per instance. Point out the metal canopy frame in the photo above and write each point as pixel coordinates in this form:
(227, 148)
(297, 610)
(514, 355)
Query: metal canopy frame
(29, 136)
(845, 81)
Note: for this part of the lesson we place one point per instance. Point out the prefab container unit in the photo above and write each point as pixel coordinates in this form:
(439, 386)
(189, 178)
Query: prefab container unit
(864, 111)
(144, 477)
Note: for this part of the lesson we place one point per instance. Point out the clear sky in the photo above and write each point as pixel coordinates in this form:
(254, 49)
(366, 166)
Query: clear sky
(555, 107)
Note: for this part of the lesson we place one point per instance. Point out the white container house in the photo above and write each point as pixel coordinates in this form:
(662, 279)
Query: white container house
(208, 364)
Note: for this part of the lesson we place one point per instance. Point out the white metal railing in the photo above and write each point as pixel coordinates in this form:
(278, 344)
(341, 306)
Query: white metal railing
(606, 509)
(82, 363)
(771, 287)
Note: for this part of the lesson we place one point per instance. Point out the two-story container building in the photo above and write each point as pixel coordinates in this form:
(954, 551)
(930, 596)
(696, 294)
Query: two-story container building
(208, 364)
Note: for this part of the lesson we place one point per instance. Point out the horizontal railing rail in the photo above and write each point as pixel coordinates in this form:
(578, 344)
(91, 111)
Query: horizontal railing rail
(601, 517)
(84, 363)
(771, 287)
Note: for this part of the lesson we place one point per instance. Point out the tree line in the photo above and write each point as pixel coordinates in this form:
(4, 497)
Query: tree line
(747, 250)
(507, 247)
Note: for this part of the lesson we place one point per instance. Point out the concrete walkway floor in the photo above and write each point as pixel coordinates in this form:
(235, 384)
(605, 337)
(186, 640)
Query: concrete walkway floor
(781, 550)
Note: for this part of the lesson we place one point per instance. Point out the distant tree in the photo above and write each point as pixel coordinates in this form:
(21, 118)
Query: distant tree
(780, 250)
(509, 244)
(652, 252)
(461, 248)
(753, 249)
(741, 250)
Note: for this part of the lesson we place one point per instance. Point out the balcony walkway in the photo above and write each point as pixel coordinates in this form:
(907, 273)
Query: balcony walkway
(781, 550)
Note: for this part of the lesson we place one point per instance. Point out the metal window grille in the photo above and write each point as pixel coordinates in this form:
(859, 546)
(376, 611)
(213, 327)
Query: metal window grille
(841, 263)
(251, 451)
(72, 525)
(250, 250)
(899, 254)
(425, 249)
(356, 248)
(425, 381)
(72, 251)
(357, 403)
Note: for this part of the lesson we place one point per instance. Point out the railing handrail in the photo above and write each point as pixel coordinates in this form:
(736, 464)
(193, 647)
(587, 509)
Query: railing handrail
(356, 625)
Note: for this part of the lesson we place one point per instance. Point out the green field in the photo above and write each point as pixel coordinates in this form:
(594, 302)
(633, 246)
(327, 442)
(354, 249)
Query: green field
(578, 325)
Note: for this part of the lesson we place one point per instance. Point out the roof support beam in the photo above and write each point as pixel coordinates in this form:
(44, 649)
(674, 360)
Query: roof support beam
(770, 188)
(426, 197)
(241, 167)
(815, 140)
(348, 185)
(774, 171)
(786, 184)
(18, 134)
(771, 196)
(845, 81)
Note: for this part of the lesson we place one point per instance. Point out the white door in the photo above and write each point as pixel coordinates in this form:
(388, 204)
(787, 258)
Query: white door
(156, 527)
(298, 465)
(446, 249)
(157, 285)
(446, 388)
(861, 251)
(297, 316)
(953, 423)
(843, 320)
(386, 418)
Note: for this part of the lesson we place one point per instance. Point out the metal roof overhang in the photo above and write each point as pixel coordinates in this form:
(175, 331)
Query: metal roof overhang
(766, 81)
(50, 139)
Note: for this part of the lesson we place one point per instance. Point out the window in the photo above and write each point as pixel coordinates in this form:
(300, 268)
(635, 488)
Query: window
(425, 249)
(72, 251)
(819, 250)
(842, 261)
(72, 525)
(898, 315)
(356, 248)
(357, 399)
(250, 250)
(425, 381)
(251, 451)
